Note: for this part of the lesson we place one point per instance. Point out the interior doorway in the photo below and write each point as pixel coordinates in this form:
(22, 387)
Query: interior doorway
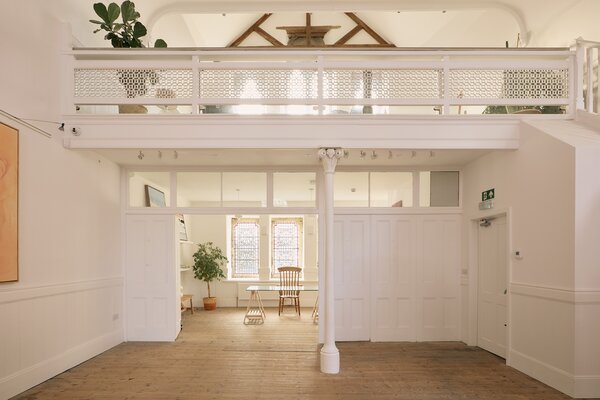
(492, 285)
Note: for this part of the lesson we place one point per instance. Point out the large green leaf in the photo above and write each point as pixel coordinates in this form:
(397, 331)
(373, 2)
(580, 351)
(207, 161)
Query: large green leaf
(160, 43)
(128, 11)
(101, 11)
(113, 12)
(93, 21)
(139, 30)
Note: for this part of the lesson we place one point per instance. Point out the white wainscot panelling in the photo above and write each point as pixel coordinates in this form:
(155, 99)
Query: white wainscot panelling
(46, 330)
(406, 269)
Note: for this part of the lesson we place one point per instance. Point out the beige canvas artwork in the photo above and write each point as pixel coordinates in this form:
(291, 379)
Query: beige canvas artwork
(9, 192)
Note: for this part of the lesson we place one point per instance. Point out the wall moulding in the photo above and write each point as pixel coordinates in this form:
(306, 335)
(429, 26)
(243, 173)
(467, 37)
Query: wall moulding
(25, 293)
(562, 295)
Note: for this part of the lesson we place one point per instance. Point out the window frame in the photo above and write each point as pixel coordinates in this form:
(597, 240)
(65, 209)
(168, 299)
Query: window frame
(299, 222)
(244, 220)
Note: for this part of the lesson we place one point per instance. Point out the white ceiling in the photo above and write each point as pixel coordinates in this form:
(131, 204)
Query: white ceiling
(288, 157)
(419, 23)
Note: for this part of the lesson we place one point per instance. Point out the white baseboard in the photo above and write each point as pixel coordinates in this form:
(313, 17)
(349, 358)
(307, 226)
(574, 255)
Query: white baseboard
(587, 387)
(543, 372)
(38, 373)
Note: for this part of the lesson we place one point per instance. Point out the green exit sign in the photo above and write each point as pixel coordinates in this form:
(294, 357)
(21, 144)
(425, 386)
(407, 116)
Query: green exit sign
(488, 194)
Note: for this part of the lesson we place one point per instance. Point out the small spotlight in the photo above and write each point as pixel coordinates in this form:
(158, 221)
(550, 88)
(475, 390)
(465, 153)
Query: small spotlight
(175, 154)
(141, 155)
(413, 154)
(374, 155)
(363, 154)
(390, 155)
(159, 154)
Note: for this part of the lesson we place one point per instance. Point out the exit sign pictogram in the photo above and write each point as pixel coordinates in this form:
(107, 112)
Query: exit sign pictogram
(488, 194)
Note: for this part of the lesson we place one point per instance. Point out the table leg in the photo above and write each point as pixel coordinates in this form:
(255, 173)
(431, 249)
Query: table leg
(260, 305)
(256, 313)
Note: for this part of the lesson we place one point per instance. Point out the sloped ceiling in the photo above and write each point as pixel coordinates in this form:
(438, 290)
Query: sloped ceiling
(407, 23)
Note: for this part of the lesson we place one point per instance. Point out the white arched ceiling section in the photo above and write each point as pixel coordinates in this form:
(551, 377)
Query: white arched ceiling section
(259, 7)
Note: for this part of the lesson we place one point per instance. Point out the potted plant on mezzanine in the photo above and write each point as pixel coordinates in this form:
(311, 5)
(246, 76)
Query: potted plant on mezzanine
(208, 263)
(127, 33)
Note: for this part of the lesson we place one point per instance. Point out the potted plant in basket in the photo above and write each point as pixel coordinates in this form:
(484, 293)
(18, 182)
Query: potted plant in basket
(127, 33)
(208, 263)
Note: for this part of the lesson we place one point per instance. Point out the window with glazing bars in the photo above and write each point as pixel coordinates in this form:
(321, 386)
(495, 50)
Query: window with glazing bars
(245, 253)
(286, 243)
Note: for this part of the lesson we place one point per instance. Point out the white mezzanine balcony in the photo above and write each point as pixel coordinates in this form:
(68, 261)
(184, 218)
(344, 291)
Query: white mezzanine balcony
(323, 82)
(285, 98)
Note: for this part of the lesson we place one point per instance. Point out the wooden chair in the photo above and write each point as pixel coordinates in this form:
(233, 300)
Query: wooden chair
(289, 276)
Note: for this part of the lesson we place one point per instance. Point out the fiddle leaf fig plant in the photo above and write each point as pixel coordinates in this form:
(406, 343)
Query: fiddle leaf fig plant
(124, 33)
(208, 262)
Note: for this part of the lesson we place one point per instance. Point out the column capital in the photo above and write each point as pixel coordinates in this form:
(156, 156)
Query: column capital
(329, 157)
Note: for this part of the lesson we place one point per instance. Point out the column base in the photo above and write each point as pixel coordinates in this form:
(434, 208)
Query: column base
(330, 360)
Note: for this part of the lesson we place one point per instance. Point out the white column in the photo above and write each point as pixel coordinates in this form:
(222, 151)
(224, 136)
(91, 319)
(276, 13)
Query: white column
(330, 355)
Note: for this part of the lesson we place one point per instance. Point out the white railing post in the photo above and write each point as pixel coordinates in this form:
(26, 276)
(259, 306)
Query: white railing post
(67, 77)
(320, 88)
(590, 79)
(579, 79)
(597, 81)
(446, 91)
(195, 85)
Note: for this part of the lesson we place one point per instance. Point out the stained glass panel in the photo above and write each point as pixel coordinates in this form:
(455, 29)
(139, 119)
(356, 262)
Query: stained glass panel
(245, 257)
(287, 243)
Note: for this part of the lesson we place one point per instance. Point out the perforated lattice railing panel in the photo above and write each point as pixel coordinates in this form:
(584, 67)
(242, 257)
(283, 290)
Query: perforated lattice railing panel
(132, 83)
(509, 84)
(258, 84)
(383, 84)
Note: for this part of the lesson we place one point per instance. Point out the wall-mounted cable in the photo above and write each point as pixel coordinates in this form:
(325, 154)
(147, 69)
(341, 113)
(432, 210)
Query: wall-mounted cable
(27, 124)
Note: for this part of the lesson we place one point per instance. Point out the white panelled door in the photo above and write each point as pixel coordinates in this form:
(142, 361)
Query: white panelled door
(351, 274)
(150, 279)
(492, 287)
(438, 277)
(393, 266)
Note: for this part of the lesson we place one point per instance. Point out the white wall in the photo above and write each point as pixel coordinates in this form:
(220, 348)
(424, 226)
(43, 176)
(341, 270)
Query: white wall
(587, 272)
(67, 305)
(548, 187)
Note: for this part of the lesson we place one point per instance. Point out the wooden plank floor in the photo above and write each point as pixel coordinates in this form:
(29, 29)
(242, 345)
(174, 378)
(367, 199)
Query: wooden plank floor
(217, 357)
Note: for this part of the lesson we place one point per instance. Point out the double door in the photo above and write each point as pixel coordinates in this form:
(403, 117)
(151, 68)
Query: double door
(397, 277)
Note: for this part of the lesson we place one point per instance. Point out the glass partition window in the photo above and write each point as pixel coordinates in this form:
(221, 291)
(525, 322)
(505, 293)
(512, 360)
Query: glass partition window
(439, 189)
(244, 189)
(351, 189)
(198, 189)
(294, 189)
(245, 247)
(391, 189)
(149, 189)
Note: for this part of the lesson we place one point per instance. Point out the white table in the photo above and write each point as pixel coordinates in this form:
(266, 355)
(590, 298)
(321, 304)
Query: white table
(255, 312)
